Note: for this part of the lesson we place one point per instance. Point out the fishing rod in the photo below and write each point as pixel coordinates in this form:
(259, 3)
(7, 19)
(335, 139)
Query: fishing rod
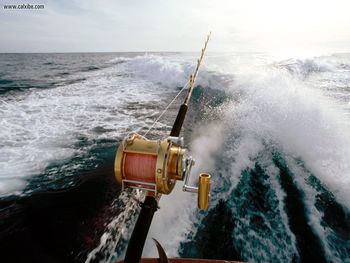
(175, 131)
(154, 166)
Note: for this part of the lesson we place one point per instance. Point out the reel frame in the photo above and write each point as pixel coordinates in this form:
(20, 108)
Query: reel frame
(155, 166)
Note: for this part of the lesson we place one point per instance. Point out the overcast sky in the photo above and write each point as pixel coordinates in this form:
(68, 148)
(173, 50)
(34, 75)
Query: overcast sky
(316, 26)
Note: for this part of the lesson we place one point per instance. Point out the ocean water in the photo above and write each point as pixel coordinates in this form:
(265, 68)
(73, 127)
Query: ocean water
(274, 133)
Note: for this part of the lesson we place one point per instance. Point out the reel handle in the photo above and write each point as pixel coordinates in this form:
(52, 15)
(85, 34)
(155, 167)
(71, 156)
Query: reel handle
(203, 189)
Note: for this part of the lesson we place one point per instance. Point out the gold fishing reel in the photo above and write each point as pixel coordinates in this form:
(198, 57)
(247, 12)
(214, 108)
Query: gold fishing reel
(156, 165)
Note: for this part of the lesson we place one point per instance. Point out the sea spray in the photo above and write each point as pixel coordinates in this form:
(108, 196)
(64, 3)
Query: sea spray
(178, 214)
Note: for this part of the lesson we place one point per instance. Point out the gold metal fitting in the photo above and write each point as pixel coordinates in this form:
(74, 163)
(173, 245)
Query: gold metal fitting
(203, 191)
(152, 165)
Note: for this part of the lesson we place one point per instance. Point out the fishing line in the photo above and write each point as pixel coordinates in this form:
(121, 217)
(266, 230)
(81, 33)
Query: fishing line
(166, 108)
(190, 83)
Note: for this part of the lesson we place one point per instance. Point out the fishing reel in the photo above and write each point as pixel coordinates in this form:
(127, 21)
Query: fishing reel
(156, 165)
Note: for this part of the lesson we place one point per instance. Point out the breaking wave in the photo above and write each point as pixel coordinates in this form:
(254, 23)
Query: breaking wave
(282, 151)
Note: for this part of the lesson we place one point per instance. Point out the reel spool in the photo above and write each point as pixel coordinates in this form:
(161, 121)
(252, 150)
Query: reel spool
(156, 165)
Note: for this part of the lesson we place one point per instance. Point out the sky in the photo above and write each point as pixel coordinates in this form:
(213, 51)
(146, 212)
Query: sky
(274, 26)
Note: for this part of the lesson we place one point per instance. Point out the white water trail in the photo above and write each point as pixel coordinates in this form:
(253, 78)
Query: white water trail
(313, 214)
(118, 230)
(304, 123)
(41, 127)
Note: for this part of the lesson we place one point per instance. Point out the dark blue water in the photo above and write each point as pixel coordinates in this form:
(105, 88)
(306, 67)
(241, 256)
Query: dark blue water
(26, 71)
